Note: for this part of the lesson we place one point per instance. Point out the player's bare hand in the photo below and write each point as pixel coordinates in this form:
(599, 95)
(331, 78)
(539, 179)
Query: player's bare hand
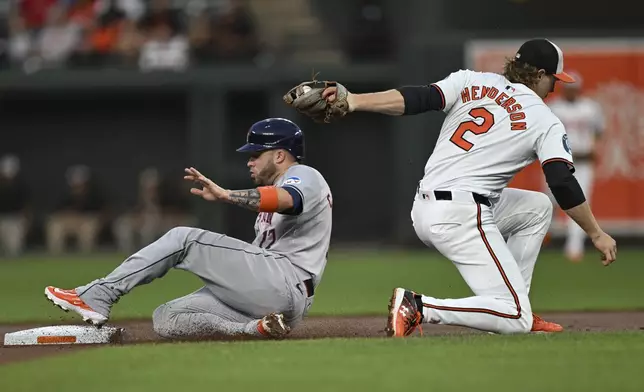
(209, 190)
(607, 246)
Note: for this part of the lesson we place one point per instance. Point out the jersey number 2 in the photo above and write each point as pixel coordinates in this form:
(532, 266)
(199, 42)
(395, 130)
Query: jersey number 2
(471, 126)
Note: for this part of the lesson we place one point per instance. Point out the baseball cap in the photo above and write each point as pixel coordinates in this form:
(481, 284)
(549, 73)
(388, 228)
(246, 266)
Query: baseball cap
(545, 55)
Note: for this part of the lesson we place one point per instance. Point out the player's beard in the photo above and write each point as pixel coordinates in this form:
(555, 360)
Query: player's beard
(267, 175)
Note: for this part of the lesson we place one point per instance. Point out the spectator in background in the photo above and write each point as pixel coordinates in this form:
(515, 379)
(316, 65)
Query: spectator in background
(156, 212)
(235, 36)
(200, 36)
(14, 215)
(59, 38)
(35, 12)
(144, 220)
(20, 42)
(78, 215)
(165, 46)
(163, 51)
(584, 123)
(112, 39)
(161, 12)
(132, 9)
(129, 44)
(82, 13)
(100, 37)
(175, 205)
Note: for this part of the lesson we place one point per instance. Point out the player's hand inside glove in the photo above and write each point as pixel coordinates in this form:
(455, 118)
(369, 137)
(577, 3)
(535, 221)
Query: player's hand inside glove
(323, 101)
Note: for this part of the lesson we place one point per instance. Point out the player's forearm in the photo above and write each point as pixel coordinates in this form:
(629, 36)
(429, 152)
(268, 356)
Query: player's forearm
(568, 193)
(583, 216)
(266, 199)
(406, 100)
(389, 102)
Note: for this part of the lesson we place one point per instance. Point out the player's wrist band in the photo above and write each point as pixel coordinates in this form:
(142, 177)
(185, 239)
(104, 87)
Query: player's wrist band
(268, 199)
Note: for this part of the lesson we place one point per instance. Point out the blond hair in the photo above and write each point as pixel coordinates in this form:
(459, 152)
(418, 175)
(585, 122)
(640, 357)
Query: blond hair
(518, 72)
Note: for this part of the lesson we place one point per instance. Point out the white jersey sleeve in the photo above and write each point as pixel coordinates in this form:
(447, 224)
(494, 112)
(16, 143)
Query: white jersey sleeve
(451, 87)
(553, 145)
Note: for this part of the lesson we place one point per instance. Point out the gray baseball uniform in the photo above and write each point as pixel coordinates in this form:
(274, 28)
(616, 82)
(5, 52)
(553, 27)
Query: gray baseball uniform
(243, 282)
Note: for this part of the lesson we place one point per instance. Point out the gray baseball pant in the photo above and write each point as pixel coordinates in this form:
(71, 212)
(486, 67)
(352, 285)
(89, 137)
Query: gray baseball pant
(243, 283)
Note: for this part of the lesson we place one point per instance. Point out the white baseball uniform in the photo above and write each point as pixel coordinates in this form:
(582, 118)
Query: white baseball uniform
(584, 121)
(493, 129)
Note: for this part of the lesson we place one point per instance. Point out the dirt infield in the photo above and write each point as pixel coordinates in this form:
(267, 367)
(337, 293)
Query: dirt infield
(140, 331)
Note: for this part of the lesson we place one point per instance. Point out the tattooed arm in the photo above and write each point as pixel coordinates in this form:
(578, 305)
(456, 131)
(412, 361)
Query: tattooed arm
(266, 199)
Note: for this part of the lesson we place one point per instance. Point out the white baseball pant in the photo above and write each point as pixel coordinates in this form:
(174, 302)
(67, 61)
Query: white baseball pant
(499, 273)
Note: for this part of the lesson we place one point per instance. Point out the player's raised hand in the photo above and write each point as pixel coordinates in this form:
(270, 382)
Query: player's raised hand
(209, 190)
(607, 246)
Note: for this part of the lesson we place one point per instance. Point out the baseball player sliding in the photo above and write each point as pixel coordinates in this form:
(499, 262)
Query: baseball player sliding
(261, 289)
(495, 126)
(584, 122)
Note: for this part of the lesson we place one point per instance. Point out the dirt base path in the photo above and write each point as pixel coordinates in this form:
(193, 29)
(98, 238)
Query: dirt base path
(140, 331)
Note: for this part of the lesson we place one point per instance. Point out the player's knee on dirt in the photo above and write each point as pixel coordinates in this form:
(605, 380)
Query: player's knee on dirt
(163, 321)
(516, 326)
(520, 325)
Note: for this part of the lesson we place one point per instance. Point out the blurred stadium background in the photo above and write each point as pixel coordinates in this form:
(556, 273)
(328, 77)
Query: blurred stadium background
(103, 102)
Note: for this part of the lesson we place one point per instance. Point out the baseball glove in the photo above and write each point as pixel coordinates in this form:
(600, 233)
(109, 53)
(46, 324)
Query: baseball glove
(307, 98)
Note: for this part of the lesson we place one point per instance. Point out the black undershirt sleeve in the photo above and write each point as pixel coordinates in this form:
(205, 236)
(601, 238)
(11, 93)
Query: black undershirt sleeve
(563, 184)
(420, 99)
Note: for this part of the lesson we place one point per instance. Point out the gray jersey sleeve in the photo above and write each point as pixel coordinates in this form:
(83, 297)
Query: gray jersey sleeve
(306, 182)
(302, 238)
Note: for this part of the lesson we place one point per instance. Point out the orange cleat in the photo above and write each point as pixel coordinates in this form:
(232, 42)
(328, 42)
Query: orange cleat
(404, 315)
(541, 325)
(68, 300)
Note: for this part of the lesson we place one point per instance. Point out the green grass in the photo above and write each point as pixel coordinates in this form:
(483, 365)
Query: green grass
(353, 283)
(566, 362)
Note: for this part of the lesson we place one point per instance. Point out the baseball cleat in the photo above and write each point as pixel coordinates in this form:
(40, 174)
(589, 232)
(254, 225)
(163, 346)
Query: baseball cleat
(68, 300)
(404, 315)
(541, 325)
(273, 326)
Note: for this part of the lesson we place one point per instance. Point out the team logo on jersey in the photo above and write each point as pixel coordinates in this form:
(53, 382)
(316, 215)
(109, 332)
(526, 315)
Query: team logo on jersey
(292, 181)
(566, 144)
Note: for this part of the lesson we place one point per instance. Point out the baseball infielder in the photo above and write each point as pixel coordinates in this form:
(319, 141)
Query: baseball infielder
(584, 122)
(495, 126)
(259, 289)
